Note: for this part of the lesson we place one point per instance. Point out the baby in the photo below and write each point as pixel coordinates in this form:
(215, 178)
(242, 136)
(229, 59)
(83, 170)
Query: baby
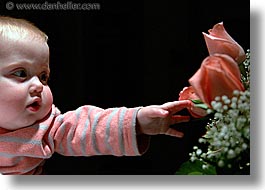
(32, 128)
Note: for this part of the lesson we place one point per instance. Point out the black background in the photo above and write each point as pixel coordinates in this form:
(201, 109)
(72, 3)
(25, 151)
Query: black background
(131, 53)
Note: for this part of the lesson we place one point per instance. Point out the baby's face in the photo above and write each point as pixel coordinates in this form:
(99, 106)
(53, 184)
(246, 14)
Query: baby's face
(25, 96)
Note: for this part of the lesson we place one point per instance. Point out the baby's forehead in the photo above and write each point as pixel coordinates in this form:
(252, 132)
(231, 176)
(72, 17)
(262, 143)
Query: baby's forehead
(13, 39)
(9, 45)
(24, 51)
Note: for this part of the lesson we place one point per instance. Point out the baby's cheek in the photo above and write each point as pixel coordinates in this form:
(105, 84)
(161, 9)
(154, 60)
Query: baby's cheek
(48, 98)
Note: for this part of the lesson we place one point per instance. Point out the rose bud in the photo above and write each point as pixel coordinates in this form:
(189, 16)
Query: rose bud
(219, 41)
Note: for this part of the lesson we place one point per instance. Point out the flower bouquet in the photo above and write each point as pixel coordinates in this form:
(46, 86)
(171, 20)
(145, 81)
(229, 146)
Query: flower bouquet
(220, 92)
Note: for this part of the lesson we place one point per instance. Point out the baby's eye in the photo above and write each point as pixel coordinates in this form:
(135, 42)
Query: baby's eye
(20, 73)
(44, 77)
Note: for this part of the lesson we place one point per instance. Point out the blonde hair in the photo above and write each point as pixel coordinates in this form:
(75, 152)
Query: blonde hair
(15, 29)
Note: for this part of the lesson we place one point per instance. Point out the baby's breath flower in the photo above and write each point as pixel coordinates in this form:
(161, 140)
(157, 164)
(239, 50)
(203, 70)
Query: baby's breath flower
(227, 133)
(221, 163)
(209, 111)
(217, 98)
(234, 99)
(193, 158)
(198, 152)
(236, 92)
(205, 166)
(231, 154)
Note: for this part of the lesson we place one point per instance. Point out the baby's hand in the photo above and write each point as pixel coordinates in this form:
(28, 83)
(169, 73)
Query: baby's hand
(153, 120)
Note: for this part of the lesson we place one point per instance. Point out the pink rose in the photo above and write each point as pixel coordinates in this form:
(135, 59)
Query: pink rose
(219, 41)
(218, 75)
(188, 93)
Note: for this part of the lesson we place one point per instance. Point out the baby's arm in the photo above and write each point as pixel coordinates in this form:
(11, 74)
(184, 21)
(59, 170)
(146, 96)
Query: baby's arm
(153, 120)
(90, 130)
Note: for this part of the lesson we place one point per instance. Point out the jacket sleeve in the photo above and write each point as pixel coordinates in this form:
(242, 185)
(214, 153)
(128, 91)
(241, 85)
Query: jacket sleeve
(90, 130)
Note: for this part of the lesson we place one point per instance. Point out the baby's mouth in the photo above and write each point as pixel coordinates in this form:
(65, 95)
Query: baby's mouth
(34, 107)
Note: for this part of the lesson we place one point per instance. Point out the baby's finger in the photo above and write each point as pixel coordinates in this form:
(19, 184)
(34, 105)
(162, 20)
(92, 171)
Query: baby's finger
(174, 132)
(176, 106)
(154, 112)
(179, 119)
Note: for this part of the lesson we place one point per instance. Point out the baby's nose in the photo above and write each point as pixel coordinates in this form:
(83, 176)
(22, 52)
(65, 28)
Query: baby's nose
(35, 86)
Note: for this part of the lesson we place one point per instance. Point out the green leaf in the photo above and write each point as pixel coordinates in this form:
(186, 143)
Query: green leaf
(203, 106)
(198, 101)
(195, 168)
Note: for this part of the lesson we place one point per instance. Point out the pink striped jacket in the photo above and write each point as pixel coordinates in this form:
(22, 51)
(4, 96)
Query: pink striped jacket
(87, 131)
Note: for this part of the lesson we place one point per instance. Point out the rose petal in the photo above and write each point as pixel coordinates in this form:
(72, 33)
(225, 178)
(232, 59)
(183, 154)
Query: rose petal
(218, 75)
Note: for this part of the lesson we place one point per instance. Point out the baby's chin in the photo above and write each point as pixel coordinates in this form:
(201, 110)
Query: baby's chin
(42, 115)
